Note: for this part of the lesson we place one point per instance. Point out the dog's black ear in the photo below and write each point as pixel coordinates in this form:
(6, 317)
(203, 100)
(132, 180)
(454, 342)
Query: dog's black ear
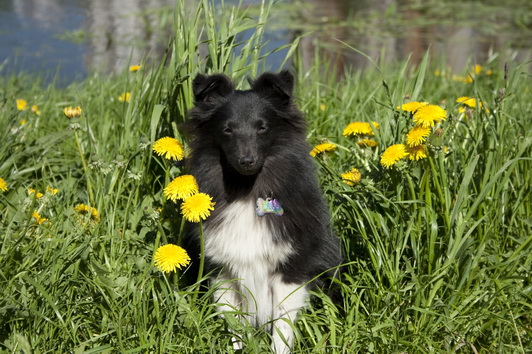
(277, 87)
(206, 88)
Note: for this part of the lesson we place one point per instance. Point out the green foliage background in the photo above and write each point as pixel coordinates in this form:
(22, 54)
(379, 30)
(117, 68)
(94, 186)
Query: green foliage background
(437, 250)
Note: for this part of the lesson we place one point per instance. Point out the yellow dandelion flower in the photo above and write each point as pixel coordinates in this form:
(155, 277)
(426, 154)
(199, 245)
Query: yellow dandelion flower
(38, 218)
(411, 106)
(488, 72)
(393, 154)
(170, 148)
(83, 209)
(325, 147)
(323, 107)
(477, 69)
(428, 115)
(3, 185)
(22, 105)
(367, 143)
(23, 122)
(351, 177)
(72, 112)
(35, 110)
(360, 128)
(468, 101)
(52, 191)
(417, 135)
(356, 128)
(39, 195)
(124, 97)
(134, 68)
(181, 187)
(197, 207)
(468, 79)
(170, 257)
(416, 152)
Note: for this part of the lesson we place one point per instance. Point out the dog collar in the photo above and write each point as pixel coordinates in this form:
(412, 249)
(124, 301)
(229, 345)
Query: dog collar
(269, 206)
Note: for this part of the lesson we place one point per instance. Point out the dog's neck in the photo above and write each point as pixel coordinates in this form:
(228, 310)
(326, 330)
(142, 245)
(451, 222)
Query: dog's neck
(236, 185)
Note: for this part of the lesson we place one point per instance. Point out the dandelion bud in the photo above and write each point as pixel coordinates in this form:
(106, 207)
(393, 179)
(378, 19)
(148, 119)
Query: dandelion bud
(351, 177)
(35, 109)
(72, 112)
(438, 132)
(38, 218)
(22, 105)
(3, 185)
(322, 148)
(125, 97)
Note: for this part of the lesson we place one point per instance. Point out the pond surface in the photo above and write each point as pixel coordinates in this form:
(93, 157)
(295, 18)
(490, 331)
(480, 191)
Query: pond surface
(63, 40)
(30, 38)
(66, 39)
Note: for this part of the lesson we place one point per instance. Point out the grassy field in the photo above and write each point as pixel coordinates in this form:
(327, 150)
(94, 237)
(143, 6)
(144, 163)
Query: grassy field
(437, 250)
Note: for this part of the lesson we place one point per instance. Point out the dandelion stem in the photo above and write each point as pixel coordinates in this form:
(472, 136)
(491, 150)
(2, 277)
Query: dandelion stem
(180, 235)
(432, 235)
(413, 195)
(166, 180)
(201, 264)
(85, 168)
(162, 235)
(438, 188)
(202, 252)
(175, 280)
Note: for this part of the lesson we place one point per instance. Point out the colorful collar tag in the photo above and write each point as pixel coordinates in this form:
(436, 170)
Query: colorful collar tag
(269, 206)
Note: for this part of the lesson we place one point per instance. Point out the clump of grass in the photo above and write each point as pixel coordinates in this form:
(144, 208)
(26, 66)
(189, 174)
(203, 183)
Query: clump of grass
(437, 249)
(431, 240)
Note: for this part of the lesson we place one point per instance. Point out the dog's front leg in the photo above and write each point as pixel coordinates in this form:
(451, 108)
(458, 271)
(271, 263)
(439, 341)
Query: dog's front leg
(288, 299)
(228, 299)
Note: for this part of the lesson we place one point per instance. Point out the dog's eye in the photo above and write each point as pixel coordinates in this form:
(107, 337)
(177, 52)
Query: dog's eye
(228, 131)
(262, 130)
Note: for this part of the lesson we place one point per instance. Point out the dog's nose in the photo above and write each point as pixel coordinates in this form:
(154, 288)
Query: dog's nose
(247, 161)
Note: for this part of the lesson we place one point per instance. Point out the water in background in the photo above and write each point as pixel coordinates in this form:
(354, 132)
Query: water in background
(30, 38)
(66, 39)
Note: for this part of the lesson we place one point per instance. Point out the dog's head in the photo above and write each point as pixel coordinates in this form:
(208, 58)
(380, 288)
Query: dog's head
(244, 125)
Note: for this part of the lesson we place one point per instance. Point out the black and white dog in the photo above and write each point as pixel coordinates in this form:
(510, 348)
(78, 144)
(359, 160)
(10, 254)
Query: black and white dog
(270, 232)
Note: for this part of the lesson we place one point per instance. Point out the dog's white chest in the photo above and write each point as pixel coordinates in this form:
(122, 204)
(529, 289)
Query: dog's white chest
(243, 244)
(242, 238)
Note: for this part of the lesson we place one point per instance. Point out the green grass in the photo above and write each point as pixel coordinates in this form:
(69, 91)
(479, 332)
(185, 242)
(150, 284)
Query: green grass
(437, 250)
